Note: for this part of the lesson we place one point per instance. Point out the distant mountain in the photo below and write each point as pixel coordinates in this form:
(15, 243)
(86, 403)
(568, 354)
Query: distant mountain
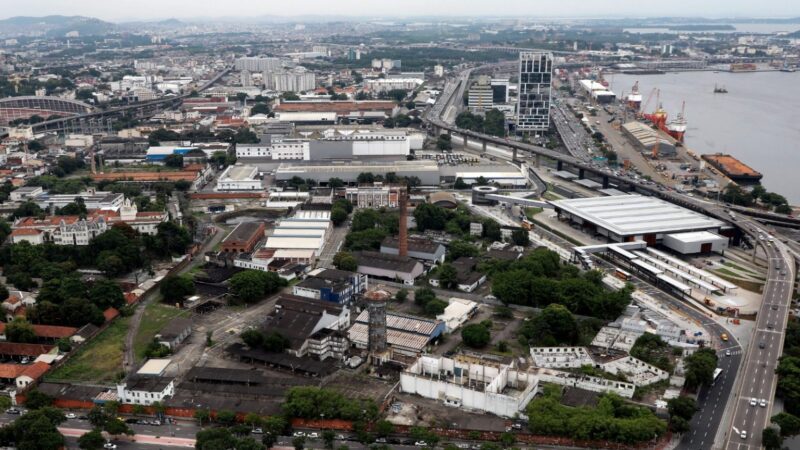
(54, 26)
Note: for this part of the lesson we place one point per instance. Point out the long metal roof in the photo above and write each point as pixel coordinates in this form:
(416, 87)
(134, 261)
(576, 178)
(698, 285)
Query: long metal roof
(627, 215)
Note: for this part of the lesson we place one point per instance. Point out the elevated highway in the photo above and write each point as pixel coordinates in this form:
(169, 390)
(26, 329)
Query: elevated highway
(138, 110)
(755, 377)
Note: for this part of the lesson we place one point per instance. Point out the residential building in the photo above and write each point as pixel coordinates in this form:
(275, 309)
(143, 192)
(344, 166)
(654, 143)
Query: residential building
(257, 64)
(533, 104)
(327, 343)
(25, 193)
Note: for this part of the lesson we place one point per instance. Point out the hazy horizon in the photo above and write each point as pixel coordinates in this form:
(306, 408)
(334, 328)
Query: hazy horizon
(248, 9)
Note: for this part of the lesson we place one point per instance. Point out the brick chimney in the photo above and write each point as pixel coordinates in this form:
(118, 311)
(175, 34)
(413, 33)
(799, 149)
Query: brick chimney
(403, 236)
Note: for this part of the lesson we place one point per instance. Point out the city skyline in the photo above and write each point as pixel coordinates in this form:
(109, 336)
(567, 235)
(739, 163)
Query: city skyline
(247, 9)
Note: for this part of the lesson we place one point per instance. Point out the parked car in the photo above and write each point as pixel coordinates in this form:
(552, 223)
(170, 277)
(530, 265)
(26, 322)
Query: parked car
(13, 411)
(257, 431)
(70, 416)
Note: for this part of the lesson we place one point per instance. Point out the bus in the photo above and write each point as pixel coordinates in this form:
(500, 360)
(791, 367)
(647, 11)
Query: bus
(622, 275)
(717, 373)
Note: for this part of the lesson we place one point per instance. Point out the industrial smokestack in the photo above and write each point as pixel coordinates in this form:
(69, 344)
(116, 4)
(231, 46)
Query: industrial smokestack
(403, 236)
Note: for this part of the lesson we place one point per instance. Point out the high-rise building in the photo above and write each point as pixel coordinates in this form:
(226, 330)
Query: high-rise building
(246, 78)
(438, 70)
(294, 81)
(480, 97)
(533, 105)
(257, 64)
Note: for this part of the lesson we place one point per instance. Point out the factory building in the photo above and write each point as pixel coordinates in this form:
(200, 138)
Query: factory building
(331, 285)
(597, 91)
(647, 140)
(376, 196)
(625, 218)
(426, 171)
(404, 335)
(347, 146)
(239, 178)
(160, 153)
(390, 267)
(471, 383)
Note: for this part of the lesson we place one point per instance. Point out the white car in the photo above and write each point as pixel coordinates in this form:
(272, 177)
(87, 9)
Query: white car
(421, 443)
(763, 403)
(70, 416)
(313, 435)
(110, 446)
(299, 434)
(743, 434)
(753, 402)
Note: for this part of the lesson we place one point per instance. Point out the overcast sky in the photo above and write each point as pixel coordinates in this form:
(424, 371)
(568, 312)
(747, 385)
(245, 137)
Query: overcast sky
(122, 10)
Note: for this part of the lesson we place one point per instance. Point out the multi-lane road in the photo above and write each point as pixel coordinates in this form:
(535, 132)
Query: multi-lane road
(752, 406)
(757, 380)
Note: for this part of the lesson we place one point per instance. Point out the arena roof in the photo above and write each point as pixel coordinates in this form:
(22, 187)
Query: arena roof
(630, 215)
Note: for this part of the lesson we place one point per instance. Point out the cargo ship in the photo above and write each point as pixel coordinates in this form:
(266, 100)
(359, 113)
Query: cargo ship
(733, 168)
(677, 127)
(658, 117)
(720, 90)
(743, 67)
(634, 99)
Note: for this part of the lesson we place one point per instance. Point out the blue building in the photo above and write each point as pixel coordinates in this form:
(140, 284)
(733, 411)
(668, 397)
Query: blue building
(155, 154)
(331, 285)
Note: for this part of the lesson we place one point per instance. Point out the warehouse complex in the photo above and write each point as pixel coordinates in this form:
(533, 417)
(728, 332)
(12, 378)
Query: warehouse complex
(625, 218)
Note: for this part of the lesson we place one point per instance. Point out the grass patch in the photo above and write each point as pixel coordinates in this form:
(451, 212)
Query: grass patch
(99, 360)
(740, 268)
(156, 315)
(530, 212)
(751, 286)
(551, 196)
(725, 271)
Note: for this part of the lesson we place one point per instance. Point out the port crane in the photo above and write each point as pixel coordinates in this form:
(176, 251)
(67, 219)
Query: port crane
(647, 102)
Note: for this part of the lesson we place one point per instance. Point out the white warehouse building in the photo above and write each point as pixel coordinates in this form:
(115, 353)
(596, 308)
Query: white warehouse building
(471, 383)
(239, 178)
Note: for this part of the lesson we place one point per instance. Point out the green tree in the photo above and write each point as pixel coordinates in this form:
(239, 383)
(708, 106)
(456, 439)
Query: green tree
(175, 161)
(447, 275)
(252, 285)
(383, 428)
(299, 442)
(93, 440)
(20, 330)
(520, 237)
(328, 437)
(215, 439)
(475, 335)
(338, 216)
(424, 295)
(203, 416)
(401, 295)
(770, 439)
(175, 289)
(429, 216)
(507, 439)
(789, 423)
(553, 326)
(700, 367)
(36, 399)
(435, 307)
(651, 349)
(345, 261)
(259, 108)
(115, 427)
(226, 418)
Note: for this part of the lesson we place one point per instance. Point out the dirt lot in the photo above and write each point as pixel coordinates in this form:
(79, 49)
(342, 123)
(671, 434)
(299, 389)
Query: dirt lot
(418, 411)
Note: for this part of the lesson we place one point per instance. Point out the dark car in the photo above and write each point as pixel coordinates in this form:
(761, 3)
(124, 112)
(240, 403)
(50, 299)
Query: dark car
(761, 345)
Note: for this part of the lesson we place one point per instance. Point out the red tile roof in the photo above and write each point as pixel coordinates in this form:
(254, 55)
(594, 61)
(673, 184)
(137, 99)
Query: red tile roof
(110, 314)
(47, 331)
(25, 232)
(339, 107)
(11, 371)
(18, 349)
(36, 370)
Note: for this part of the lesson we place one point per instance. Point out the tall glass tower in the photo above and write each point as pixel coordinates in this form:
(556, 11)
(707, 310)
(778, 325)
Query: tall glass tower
(533, 106)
